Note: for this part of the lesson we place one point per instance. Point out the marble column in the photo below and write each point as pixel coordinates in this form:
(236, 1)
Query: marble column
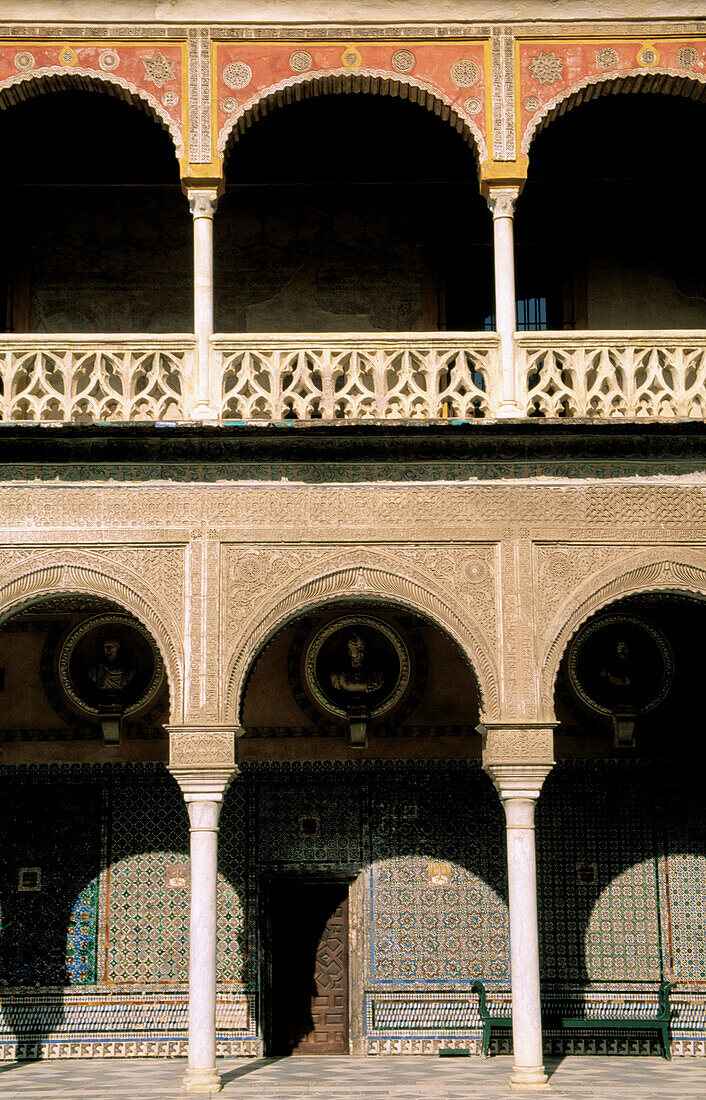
(202, 762)
(202, 204)
(518, 783)
(501, 201)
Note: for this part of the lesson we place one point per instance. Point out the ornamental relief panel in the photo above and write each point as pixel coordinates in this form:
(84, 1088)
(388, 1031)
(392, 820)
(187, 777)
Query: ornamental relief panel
(560, 569)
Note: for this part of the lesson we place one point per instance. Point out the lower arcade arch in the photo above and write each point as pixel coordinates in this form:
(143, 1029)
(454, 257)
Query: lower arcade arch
(621, 822)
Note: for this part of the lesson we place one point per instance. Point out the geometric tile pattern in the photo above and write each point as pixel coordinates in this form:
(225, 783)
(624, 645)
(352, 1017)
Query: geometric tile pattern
(598, 874)
(147, 884)
(686, 876)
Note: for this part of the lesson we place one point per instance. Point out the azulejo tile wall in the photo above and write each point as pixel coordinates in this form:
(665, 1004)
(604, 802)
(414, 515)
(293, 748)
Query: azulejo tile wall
(94, 951)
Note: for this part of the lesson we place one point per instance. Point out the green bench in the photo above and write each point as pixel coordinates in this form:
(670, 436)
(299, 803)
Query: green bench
(658, 1022)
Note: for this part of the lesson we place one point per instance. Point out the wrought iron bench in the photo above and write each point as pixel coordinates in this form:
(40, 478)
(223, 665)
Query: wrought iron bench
(563, 1022)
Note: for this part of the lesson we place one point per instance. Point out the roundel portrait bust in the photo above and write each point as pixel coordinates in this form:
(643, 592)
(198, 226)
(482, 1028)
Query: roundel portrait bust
(109, 661)
(620, 666)
(357, 663)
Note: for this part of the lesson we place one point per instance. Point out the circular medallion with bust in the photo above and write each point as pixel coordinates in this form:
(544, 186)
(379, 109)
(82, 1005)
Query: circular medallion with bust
(620, 664)
(110, 660)
(357, 662)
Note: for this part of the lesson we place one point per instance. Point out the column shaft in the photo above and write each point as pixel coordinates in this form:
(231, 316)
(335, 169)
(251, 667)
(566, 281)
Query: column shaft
(502, 203)
(203, 817)
(524, 943)
(202, 204)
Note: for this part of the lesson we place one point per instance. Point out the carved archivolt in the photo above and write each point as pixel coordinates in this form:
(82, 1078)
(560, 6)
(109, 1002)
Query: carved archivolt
(56, 77)
(345, 80)
(60, 572)
(366, 578)
(649, 571)
(627, 82)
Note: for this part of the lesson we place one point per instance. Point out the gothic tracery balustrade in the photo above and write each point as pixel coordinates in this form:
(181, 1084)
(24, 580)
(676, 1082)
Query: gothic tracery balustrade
(612, 374)
(399, 376)
(95, 378)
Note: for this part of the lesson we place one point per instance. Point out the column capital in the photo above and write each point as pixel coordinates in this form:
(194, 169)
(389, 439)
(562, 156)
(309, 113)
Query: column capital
(517, 743)
(203, 201)
(501, 200)
(522, 782)
(202, 749)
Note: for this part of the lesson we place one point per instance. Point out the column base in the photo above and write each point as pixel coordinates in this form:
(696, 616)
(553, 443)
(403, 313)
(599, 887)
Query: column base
(508, 410)
(203, 411)
(529, 1077)
(204, 1081)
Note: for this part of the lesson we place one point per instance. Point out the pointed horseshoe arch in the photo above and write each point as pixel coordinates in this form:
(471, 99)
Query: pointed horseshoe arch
(60, 574)
(57, 78)
(629, 82)
(369, 583)
(639, 574)
(345, 80)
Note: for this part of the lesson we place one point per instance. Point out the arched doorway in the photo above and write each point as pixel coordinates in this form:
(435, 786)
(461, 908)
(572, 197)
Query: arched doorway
(378, 868)
(621, 825)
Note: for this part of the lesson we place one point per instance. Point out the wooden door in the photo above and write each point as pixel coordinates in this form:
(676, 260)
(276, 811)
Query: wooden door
(309, 985)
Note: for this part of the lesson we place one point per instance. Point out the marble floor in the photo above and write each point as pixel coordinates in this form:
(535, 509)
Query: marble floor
(323, 1078)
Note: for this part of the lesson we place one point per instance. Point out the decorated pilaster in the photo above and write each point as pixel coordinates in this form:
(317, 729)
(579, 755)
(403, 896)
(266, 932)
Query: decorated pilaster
(518, 757)
(202, 760)
(501, 201)
(203, 202)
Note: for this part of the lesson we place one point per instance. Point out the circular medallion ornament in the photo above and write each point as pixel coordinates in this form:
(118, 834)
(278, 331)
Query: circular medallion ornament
(688, 57)
(109, 60)
(648, 56)
(229, 105)
(24, 60)
(300, 61)
(607, 58)
(620, 664)
(532, 104)
(237, 74)
(465, 73)
(110, 661)
(473, 106)
(357, 661)
(403, 61)
(170, 99)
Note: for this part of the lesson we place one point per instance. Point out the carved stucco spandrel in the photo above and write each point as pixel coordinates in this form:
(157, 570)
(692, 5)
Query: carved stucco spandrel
(658, 569)
(70, 570)
(561, 568)
(365, 575)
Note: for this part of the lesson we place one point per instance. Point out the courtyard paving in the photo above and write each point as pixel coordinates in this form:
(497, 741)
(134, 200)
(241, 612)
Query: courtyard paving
(327, 1078)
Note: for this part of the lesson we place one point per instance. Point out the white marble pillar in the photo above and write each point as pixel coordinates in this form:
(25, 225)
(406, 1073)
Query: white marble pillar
(519, 787)
(501, 201)
(203, 203)
(202, 760)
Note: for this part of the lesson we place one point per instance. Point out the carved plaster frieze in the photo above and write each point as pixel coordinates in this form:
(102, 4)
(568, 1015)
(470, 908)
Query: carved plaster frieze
(561, 568)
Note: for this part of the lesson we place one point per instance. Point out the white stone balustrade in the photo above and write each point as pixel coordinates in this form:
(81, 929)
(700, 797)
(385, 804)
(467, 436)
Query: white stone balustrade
(612, 374)
(413, 376)
(101, 377)
(395, 376)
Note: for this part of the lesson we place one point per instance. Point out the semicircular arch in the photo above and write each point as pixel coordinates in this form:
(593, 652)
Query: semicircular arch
(57, 78)
(362, 81)
(659, 81)
(652, 571)
(71, 572)
(366, 580)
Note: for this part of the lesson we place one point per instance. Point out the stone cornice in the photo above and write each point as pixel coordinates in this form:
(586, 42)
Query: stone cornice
(331, 451)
